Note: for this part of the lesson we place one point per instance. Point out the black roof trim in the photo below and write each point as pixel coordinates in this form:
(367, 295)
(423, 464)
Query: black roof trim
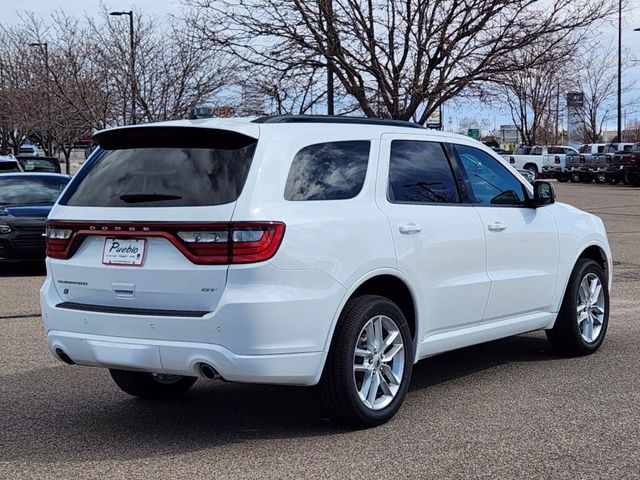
(335, 119)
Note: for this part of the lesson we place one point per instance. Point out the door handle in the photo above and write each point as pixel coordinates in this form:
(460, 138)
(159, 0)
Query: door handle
(410, 228)
(497, 227)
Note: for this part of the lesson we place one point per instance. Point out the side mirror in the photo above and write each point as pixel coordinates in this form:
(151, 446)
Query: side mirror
(543, 193)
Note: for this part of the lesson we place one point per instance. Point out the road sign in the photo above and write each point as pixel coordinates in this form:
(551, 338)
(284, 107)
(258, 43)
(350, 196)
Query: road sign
(473, 132)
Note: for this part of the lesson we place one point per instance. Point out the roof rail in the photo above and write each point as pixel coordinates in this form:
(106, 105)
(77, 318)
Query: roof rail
(335, 119)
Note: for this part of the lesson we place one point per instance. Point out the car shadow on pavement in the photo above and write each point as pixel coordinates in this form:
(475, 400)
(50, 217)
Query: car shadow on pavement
(78, 414)
(456, 364)
(22, 269)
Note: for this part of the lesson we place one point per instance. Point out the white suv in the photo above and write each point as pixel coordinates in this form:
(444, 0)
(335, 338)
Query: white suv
(309, 250)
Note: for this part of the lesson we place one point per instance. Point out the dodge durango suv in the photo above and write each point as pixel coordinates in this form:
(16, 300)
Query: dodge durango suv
(324, 251)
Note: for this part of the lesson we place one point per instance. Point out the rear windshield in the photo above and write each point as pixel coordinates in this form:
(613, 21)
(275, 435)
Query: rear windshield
(187, 174)
(41, 165)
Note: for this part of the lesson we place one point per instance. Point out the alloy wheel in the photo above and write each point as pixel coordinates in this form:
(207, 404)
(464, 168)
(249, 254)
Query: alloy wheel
(378, 362)
(591, 308)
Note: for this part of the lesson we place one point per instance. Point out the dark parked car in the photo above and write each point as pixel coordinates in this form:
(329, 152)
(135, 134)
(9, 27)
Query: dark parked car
(578, 165)
(601, 161)
(40, 164)
(624, 166)
(25, 202)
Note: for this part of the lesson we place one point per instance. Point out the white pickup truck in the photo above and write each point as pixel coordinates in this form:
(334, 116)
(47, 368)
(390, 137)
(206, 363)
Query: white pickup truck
(541, 160)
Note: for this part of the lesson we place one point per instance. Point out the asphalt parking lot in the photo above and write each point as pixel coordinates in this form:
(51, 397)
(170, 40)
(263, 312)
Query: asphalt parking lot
(508, 409)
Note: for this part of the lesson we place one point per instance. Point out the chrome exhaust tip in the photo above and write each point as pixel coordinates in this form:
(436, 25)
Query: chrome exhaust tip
(209, 372)
(64, 357)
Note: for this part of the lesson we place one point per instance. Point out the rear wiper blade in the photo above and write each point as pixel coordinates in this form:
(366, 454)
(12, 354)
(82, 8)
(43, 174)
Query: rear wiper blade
(147, 197)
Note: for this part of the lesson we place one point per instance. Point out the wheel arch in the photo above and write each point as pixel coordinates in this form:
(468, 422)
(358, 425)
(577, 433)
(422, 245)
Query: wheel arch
(377, 282)
(592, 251)
(597, 254)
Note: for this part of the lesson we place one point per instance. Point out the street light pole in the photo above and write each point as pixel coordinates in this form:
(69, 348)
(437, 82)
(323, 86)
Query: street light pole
(619, 71)
(132, 63)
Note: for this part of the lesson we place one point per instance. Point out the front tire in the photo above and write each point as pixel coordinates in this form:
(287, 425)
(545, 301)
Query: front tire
(152, 386)
(583, 318)
(368, 370)
(600, 178)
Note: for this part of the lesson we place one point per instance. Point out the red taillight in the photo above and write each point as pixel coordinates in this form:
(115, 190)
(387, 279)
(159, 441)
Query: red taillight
(582, 159)
(58, 240)
(208, 244)
(634, 158)
(255, 242)
(608, 159)
(512, 160)
(557, 159)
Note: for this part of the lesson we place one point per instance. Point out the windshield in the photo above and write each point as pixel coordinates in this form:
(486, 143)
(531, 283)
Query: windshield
(30, 191)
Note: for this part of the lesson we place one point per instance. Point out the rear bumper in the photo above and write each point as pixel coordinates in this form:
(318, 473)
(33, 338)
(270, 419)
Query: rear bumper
(270, 326)
(186, 358)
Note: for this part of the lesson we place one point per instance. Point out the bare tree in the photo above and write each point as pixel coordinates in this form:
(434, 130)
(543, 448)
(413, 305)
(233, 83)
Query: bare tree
(63, 77)
(406, 56)
(173, 72)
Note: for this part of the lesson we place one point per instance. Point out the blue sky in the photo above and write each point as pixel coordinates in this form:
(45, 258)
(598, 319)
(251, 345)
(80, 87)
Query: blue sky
(455, 112)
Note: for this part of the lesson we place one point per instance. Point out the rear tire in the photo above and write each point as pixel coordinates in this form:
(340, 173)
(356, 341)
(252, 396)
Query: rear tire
(613, 180)
(600, 178)
(579, 328)
(625, 179)
(574, 178)
(563, 178)
(370, 393)
(151, 386)
(634, 180)
(533, 169)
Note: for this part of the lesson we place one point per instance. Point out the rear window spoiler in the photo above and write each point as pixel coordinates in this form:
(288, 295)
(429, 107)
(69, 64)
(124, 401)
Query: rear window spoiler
(171, 137)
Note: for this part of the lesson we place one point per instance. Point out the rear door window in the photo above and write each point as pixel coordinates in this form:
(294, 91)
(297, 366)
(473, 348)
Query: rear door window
(419, 172)
(328, 171)
(176, 168)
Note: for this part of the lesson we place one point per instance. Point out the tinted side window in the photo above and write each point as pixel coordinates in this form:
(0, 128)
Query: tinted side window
(328, 171)
(419, 172)
(600, 148)
(569, 151)
(491, 182)
(585, 149)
